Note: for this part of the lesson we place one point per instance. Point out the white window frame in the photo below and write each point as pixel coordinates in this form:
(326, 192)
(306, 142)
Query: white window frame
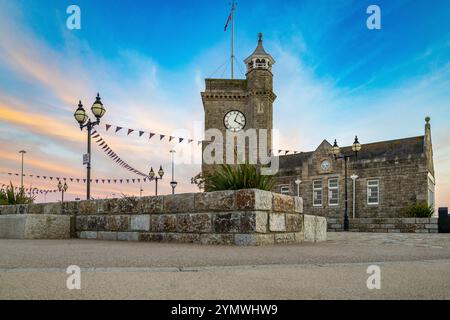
(284, 188)
(369, 192)
(314, 193)
(330, 190)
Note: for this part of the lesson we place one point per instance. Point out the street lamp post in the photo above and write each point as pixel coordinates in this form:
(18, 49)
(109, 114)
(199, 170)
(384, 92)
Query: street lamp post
(152, 176)
(173, 183)
(297, 182)
(21, 173)
(62, 188)
(85, 122)
(356, 147)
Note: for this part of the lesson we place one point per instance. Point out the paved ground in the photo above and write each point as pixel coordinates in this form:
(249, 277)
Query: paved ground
(412, 266)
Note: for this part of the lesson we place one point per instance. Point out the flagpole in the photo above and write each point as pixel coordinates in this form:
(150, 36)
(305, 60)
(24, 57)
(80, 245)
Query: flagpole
(232, 40)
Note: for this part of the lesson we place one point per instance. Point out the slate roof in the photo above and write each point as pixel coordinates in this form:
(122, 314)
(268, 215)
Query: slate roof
(399, 148)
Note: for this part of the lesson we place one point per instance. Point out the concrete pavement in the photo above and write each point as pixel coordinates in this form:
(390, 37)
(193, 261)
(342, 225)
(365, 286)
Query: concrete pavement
(412, 266)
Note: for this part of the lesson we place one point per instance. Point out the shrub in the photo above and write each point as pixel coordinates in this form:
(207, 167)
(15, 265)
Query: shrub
(418, 210)
(9, 196)
(243, 176)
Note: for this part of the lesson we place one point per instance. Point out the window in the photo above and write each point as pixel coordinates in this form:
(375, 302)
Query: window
(285, 190)
(333, 192)
(317, 193)
(373, 191)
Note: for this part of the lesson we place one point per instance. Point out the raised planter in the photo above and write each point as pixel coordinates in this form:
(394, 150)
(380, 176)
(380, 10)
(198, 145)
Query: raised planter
(243, 217)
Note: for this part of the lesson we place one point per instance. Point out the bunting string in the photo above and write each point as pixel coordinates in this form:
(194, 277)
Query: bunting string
(80, 180)
(110, 153)
(32, 191)
(164, 137)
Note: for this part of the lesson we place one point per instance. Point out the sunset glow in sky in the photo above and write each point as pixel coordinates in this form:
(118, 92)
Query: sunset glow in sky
(334, 78)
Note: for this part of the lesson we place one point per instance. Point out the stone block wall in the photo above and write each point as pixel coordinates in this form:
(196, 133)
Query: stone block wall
(243, 217)
(32, 226)
(390, 225)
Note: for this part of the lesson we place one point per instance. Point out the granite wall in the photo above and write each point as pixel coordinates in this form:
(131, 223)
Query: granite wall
(243, 217)
(403, 225)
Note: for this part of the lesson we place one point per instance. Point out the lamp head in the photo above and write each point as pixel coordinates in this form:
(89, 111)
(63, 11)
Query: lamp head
(356, 146)
(335, 149)
(151, 174)
(97, 107)
(160, 172)
(80, 114)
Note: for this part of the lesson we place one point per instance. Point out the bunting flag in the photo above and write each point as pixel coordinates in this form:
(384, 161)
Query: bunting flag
(108, 126)
(118, 129)
(141, 133)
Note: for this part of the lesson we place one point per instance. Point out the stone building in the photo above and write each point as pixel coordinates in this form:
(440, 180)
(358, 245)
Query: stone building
(390, 174)
(386, 175)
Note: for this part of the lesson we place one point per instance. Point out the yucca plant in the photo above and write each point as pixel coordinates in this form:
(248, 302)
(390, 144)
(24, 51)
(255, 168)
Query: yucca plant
(10, 196)
(418, 210)
(243, 176)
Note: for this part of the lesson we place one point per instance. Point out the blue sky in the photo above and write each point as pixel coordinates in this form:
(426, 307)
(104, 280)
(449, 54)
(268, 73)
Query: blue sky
(334, 78)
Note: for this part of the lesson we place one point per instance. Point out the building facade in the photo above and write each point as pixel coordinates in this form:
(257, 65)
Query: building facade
(383, 178)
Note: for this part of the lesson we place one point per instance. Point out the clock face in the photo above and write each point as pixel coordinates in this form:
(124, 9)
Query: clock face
(234, 121)
(325, 165)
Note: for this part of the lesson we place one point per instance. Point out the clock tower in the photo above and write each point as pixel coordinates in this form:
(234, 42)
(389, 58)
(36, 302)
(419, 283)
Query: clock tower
(237, 105)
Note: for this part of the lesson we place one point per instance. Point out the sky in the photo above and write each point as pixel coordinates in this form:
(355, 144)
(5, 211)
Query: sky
(334, 78)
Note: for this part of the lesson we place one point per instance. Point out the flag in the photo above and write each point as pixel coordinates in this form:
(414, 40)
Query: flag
(229, 18)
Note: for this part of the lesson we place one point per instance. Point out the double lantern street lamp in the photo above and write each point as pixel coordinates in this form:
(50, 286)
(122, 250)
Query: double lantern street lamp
(153, 176)
(85, 122)
(62, 188)
(356, 147)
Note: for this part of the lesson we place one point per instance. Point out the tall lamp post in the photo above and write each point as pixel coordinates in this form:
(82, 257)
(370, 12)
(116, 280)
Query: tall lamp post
(62, 188)
(173, 183)
(21, 173)
(85, 122)
(356, 147)
(152, 176)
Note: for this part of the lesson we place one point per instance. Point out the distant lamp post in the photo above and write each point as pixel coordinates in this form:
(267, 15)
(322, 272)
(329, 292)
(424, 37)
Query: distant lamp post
(62, 188)
(153, 176)
(83, 120)
(356, 147)
(173, 183)
(21, 173)
(297, 182)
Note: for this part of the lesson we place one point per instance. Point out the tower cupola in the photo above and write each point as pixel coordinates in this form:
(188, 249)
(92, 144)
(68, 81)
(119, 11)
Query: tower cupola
(259, 59)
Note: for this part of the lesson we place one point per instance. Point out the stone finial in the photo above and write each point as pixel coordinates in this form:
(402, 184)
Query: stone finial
(260, 37)
(427, 124)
